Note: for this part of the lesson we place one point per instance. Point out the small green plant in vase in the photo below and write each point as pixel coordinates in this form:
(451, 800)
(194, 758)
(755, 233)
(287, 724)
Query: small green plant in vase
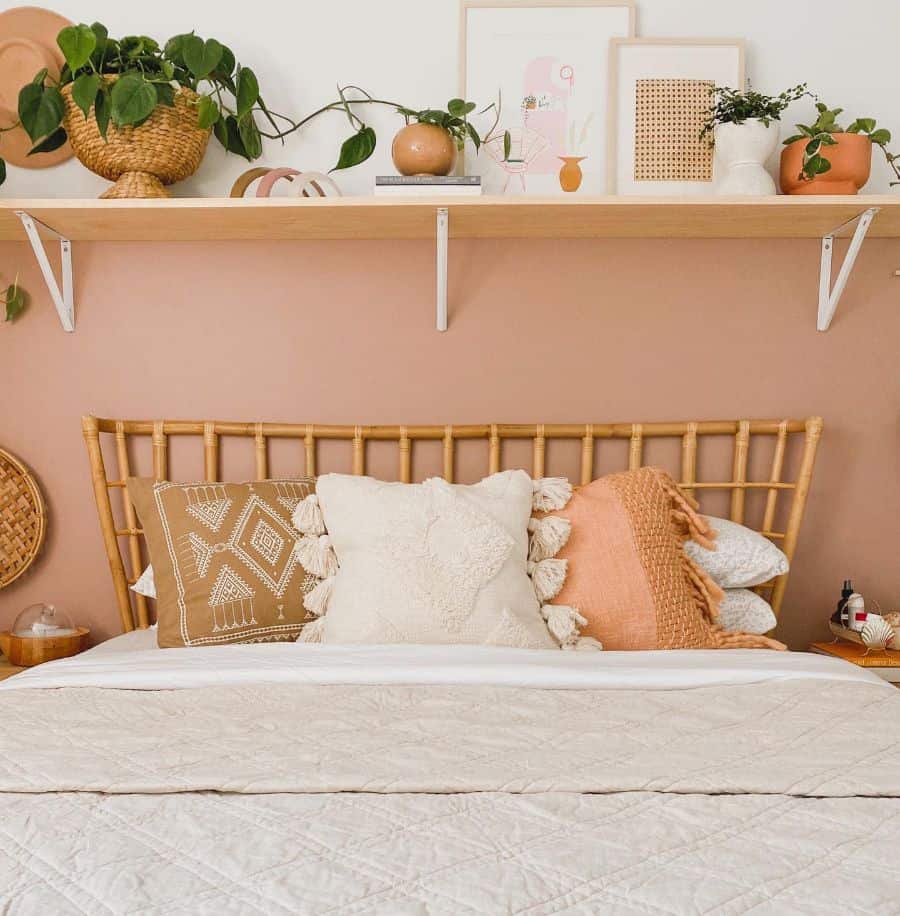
(826, 158)
(743, 127)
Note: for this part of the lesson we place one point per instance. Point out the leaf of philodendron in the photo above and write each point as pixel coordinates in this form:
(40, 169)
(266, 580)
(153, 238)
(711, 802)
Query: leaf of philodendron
(132, 99)
(84, 91)
(50, 143)
(880, 136)
(356, 149)
(227, 133)
(165, 94)
(201, 56)
(250, 136)
(247, 91)
(77, 42)
(473, 136)
(15, 302)
(102, 112)
(207, 112)
(507, 145)
(41, 110)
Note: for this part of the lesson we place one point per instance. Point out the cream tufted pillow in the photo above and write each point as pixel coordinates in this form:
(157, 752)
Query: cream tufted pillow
(431, 562)
(742, 557)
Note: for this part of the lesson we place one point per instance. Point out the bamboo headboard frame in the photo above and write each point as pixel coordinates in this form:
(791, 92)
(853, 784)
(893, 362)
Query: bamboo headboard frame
(134, 610)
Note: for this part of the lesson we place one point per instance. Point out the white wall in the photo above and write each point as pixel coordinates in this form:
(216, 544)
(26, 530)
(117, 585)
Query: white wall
(407, 50)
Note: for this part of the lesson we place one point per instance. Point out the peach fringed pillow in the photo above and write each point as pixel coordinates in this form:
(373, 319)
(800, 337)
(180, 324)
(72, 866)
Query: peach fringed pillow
(628, 574)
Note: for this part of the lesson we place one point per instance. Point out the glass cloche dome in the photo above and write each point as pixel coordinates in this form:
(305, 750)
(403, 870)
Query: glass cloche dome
(42, 620)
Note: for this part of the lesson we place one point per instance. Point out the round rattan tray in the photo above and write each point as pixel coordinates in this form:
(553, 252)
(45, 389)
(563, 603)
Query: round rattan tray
(23, 518)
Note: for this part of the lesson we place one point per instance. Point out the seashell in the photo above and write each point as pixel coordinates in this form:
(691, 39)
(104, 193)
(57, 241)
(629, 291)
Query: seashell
(877, 633)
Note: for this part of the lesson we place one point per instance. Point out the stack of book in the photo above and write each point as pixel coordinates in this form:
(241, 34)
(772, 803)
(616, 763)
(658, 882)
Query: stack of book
(430, 185)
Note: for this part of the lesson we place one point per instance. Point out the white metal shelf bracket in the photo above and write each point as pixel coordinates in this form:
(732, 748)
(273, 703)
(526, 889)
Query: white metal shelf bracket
(64, 300)
(442, 235)
(829, 296)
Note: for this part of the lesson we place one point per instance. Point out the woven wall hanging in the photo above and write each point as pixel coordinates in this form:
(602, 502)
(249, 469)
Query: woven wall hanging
(23, 518)
(668, 117)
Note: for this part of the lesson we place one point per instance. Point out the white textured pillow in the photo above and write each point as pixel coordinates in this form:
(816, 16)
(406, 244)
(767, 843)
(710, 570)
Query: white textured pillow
(744, 611)
(146, 584)
(742, 557)
(431, 562)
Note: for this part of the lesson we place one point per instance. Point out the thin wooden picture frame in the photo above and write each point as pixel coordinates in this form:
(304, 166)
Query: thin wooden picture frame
(466, 5)
(612, 109)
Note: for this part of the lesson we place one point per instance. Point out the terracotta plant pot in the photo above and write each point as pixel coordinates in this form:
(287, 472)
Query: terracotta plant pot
(570, 175)
(167, 147)
(851, 162)
(423, 149)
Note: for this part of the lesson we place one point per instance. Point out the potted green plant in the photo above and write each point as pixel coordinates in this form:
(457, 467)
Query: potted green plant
(825, 158)
(743, 127)
(140, 114)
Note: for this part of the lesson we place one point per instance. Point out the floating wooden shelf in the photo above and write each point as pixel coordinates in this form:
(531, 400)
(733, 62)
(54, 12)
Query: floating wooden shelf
(439, 219)
(223, 219)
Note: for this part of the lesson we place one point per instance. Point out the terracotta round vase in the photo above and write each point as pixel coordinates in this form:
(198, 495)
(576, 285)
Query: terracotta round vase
(423, 149)
(570, 175)
(851, 162)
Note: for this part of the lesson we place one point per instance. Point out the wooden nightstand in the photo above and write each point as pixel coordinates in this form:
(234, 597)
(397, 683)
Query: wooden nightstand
(6, 669)
(883, 662)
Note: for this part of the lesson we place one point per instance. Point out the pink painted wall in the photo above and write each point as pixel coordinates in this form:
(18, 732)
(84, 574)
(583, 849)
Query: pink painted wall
(540, 331)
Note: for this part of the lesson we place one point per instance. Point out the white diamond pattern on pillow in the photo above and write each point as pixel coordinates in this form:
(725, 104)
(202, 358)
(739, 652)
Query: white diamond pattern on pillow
(743, 610)
(431, 562)
(742, 558)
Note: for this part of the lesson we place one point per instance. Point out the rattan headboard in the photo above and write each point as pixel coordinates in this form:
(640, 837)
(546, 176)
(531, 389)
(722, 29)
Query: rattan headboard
(790, 443)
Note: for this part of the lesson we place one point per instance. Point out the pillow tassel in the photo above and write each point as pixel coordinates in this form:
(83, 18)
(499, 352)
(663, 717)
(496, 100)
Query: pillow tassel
(548, 536)
(548, 578)
(316, 555)
(314, 631)
(564, 623)
(316, 599)
(307, 517)
(550, 493)
(586, 644)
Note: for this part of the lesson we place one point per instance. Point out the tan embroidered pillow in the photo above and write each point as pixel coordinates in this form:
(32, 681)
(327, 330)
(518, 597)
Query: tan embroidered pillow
(628, 574)
(223, 559)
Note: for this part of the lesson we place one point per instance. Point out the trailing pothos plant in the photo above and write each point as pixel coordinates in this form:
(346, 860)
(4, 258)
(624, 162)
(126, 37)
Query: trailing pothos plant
(820, 135)
(360, 145)
(14, 300)
(123, 81)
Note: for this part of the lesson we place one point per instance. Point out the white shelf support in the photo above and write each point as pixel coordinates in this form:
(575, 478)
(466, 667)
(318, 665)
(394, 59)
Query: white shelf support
(829, 296)
(64, 300)
(442, 236)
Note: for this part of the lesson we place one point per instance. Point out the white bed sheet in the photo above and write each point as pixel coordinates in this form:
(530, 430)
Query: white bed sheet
(134, 662)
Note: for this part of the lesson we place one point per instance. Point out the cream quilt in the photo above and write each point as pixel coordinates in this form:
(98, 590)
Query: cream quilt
(780, 797)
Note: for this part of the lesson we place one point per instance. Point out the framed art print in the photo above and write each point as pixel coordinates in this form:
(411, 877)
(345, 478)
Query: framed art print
(548, 62)
(659, 98)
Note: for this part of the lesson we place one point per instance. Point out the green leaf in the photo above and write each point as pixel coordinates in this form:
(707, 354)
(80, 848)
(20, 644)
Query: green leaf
(165, 94)
(84, 91)
(507, 145)
(356, 149)
(794, 138)
(102, 111)
(39, 77)
(250, 136)
(2, 171)
(880, 136)
(77, 42)
(457, 107)
(132, 99)
(227, 63)
(51, 142)
(41, 110)
(816, 166)
(168, 69)
(207, 112)
(247, 91)
(100, 31)
(174, 49)
(15, 301)
(227, 133)
(202, 57)
(474, 137)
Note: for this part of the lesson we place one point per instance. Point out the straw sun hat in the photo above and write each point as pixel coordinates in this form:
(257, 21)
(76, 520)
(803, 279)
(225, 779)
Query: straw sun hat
(27, 44)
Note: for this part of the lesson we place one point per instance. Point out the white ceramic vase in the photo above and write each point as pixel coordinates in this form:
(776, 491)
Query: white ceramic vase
(742, 151)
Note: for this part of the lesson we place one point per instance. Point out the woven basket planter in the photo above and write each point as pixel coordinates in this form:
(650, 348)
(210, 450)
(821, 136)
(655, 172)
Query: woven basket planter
(166, 148)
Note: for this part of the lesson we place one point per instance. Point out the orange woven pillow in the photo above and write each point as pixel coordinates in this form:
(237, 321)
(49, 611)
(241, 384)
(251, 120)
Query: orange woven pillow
(628, 573)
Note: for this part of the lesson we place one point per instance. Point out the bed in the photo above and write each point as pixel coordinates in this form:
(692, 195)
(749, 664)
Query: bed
(306, 778)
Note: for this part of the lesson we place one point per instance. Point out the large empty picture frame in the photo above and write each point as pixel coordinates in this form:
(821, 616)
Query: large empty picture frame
(659, 97)
(549, 63)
